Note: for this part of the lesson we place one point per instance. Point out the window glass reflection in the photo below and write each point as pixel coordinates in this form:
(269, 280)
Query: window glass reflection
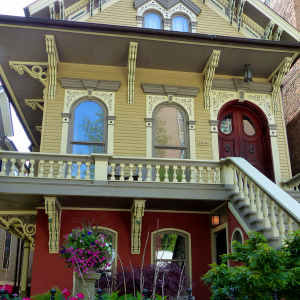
(249, 128)
(226, 125)
(180, 24)
(152, 21)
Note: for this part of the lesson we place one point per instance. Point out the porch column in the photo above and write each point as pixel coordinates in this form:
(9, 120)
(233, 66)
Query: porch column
(24, 275)
(275, 153)
(214, 138)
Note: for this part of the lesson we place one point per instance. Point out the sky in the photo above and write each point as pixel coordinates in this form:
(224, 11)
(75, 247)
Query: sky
(15, 8)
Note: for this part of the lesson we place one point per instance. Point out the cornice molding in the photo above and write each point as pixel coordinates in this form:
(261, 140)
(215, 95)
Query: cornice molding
(164, 89)
(85, 84)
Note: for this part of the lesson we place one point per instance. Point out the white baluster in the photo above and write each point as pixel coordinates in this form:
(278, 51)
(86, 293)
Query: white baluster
(208, 175)
(31, 174)
(251, 194)
(175, 174)
(266, 221)
(130, 172)
(246, 192)
(281, 227)
(183, 168)
(69, 169)
(12, 169)
(290, 225)
(60, 164)
(200, 174)
(3, 169)
(122, 166)
(78, 176)
(87, 176)
(259, 214)
(241, 190)
(235, 181)
(22, 173)
(149, 173)
(275, 231)
(192, 169)
(113, 165)
(50, 174)
(166, 173)
(217, 175)
(41, 168)
(157, 177)
(140, 178)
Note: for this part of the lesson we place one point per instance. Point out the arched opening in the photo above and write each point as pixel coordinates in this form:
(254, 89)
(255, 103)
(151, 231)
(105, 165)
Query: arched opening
(180, 23)
(244, 132)
(152, 21)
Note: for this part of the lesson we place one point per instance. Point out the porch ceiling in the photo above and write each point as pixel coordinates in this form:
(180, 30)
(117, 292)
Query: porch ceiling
(23, 39)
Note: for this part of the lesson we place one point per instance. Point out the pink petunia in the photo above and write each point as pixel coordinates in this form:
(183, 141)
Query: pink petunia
(80, 296)
(66, 293)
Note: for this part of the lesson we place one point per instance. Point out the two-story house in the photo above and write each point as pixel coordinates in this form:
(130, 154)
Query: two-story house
(147, 110)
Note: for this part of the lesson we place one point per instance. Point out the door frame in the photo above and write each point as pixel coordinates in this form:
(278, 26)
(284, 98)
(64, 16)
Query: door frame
(214, 233)
(257, 111)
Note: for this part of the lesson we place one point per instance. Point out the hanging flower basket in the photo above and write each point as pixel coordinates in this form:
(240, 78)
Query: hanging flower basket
(85, 249)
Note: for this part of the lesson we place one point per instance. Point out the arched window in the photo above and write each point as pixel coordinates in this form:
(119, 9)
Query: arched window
(237, 236)
(152, 21)
(180, 24)
(170, 132)
(172, 246)
(89, 128)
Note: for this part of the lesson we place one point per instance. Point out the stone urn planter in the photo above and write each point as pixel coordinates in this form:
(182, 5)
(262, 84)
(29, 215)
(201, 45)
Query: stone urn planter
(90, 280)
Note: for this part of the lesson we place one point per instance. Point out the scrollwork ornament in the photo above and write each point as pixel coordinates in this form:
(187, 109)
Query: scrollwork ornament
(107, 98)
(187, 103)
(263, 103)
(154, 101)
(72, 96)
(218, 100)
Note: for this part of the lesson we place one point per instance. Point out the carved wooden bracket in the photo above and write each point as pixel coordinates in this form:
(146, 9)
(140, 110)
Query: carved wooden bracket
(208, 75)
(277, 82)
(231, 6)
(137, 213)
(277, 34)
(53, 210)
(53, 61)
(269, 30)
(34, 69)
(239, 12)
(39, 128)
(34, 103)
(131, 70)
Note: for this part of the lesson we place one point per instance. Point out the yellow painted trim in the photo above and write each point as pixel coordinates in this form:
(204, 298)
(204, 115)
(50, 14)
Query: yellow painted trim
(16, 104)
(20, 212)
(177, 211)
(29, 63)
(189, 241)
(218, 207)
(44, 111)
(146, 38)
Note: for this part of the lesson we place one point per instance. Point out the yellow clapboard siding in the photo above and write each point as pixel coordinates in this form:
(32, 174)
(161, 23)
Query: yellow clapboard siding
(123, 13)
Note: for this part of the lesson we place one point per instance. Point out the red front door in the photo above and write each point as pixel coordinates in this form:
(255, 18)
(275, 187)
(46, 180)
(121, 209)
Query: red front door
(241, 134)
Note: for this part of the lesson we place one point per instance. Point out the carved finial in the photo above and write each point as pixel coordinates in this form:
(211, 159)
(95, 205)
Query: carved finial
(189, 291)
(99, 292)
(145, 293)
(275, 297)
(231, 291)
(53, 291)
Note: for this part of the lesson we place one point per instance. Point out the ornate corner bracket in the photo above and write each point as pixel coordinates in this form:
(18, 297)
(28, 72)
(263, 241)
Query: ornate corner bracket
(131, 70)
(53, 61)
(34, 69)
(239, 12)
(277, 81)
(277, 34)
(34, 103)
(137, 213)
(231, 6)
(269, 30)
(208, 74)
(53, 210)
(39, 128)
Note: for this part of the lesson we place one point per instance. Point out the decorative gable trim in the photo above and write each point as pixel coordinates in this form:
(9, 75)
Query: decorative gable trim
(169, 4)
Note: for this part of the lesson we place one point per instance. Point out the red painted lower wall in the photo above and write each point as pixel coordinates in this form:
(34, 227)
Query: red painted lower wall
(50, 270)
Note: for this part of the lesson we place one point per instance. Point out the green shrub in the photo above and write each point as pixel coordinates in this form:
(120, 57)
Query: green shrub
(47, 295)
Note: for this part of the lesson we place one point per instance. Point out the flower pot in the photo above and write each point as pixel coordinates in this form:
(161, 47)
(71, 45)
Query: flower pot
(90, 280)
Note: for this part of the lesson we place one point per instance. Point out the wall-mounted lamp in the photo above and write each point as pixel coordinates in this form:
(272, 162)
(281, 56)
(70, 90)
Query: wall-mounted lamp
(247, 73)
(215, 220)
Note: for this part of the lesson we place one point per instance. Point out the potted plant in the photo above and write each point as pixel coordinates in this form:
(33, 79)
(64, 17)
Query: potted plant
(87, 250)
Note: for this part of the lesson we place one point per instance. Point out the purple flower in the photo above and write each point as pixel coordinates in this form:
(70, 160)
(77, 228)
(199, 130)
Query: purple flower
(83, 235)
(89, 233)
(93, 243)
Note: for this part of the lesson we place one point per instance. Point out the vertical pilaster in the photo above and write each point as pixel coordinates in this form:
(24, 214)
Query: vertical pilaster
(192, 137)
(275, 153)
(214, 138)
(110, 134)
(24, 276)
(149, 145)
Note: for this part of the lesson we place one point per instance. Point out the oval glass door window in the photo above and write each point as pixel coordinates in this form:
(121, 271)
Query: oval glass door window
(249, 128)
(226, 125)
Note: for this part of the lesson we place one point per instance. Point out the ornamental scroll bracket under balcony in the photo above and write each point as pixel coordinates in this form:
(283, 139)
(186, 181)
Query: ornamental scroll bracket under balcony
(208, 75)
(53, 62)
(137, 213)
(34, 103)
(53, 210)
(132, 55)
(277, 80)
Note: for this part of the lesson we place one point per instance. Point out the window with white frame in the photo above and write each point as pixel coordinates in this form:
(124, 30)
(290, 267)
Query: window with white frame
(152, 21)
(170, 132)
(180, 23)
(172, 246)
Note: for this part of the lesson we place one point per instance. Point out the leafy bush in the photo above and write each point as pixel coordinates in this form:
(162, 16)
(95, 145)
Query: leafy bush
(47, 295)
(264, 269)
(171, 279)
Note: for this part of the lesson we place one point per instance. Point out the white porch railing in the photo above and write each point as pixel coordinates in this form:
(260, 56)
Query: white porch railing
(293, 184)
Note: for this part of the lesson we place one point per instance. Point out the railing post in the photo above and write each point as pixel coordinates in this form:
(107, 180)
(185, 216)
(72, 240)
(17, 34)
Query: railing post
(189, 291)
(52, 291)
(99, 292)
(231, 291)
(227, 175)
(101, 164)
(145, 293)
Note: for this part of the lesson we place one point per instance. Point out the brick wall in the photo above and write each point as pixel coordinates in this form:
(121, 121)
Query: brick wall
(290, 11)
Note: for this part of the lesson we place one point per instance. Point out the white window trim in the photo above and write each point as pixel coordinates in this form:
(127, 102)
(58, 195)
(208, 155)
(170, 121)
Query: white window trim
(234, 231)
(166, 230)
(71, 96)
(152, 101)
